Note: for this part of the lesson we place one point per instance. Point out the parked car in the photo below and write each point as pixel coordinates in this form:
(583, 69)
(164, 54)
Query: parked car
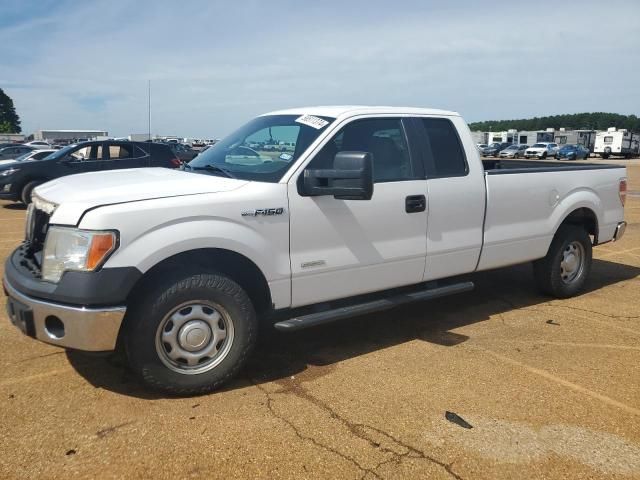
(10, 144)
(30, 156)
(541, 150)
(181, 267)
(494, 149)
(572, 152)
(18, 179)
(39, 144)
(183, 152)
(14, 151)
(513, 151)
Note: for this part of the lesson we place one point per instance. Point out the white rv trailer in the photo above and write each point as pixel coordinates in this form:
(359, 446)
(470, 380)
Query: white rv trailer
(617, 142)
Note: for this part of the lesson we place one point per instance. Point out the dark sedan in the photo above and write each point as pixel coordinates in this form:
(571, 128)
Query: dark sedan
(572, 152)
(14, 151)
(183, 152)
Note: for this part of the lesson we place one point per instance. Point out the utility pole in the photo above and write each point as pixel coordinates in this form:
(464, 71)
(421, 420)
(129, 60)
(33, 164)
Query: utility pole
(149, 108)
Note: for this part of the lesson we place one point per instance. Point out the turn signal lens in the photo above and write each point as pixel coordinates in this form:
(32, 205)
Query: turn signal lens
(101, 245)
(622, 190)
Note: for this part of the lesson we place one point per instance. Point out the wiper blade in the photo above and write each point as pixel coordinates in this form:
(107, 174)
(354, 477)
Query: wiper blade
(213, 168)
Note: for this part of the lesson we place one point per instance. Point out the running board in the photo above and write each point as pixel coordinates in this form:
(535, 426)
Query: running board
(332, 315)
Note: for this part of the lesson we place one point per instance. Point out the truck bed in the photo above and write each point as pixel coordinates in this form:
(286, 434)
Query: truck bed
(523, 211)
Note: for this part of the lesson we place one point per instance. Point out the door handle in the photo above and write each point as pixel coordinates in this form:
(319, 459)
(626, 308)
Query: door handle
(415, 203)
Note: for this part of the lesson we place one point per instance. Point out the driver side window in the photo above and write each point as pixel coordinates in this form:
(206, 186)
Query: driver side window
(384, 138)
(90, 153)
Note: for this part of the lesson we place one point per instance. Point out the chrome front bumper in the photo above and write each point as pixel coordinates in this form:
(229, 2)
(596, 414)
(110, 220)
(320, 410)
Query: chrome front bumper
(81, 328)
(619, 232)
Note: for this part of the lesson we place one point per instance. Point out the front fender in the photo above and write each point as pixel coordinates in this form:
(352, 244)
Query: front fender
(152, 231)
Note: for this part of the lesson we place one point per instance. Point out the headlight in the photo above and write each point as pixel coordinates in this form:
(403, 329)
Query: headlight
(9, 171)
(74, 249)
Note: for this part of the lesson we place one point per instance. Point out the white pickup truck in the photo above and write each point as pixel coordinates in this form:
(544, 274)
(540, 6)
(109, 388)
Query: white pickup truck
(376, 206)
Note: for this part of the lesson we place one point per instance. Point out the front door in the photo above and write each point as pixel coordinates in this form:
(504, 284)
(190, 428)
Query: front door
(84, 158)
(341, 248)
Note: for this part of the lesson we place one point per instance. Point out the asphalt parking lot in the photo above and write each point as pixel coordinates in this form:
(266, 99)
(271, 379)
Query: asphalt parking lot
(551, 389)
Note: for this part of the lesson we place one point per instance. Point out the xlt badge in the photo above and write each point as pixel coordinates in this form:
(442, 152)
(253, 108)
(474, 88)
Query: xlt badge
(266, 212)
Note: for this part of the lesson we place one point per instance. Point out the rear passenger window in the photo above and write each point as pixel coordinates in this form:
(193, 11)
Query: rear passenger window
(120, 151)
(444, 153)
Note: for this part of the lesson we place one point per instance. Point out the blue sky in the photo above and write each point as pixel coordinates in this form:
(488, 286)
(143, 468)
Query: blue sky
(214, 65)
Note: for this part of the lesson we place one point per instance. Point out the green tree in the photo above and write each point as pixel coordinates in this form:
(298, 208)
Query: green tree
(587, 121)
(9, 119)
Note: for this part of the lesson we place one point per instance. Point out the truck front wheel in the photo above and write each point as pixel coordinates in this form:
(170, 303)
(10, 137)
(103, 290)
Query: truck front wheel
(192, 334)
(564, 271)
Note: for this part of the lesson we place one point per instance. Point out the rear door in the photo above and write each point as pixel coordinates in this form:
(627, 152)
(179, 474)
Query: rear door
(341, 248)
(125, 155)
(456, 196)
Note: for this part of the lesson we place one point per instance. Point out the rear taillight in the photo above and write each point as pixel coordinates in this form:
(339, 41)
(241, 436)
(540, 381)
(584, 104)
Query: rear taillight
(175, 162)
(622, 190)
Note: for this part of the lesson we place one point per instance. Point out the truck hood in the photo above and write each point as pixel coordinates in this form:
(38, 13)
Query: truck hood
(75, 194)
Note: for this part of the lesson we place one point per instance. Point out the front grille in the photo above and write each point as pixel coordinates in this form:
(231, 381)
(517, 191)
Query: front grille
(36, 233)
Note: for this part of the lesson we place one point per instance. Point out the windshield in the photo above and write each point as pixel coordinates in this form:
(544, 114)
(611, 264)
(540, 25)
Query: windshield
(263, 149)
(539, 145)
(494, 145)
(512, 147)
(568, 147)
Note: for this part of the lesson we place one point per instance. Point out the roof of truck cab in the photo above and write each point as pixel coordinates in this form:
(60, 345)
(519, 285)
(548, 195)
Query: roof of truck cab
(336, 111)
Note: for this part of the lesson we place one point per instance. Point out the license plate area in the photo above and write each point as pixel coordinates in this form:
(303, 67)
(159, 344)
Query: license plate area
(21, 316)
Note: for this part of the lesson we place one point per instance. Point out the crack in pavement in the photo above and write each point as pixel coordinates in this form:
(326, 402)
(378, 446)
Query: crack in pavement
(358, 430)
(315, 442)
(36, 357)
(586, 310)
(109, 430)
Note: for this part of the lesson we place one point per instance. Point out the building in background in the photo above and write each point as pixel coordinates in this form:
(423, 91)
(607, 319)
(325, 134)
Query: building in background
(66, 136)
(11, 137)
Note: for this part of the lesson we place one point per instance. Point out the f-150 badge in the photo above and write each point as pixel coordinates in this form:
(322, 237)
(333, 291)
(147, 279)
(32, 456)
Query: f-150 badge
(263, 212)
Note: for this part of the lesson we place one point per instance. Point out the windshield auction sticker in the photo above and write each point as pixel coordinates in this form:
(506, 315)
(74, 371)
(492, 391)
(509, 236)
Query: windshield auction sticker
(311, 121)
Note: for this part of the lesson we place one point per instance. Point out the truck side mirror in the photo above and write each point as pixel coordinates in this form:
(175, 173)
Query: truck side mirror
(351, 178)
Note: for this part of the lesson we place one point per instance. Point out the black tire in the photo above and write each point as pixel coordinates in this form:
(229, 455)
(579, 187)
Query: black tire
(27, 190)
(549, 272)
(144, 339)
(544, 155)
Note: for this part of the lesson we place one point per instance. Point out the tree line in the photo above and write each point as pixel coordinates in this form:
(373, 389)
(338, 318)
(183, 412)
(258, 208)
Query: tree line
(575, 121)
(9, 119)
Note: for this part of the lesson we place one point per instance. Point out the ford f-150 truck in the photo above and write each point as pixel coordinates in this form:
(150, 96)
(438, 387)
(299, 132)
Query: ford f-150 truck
(373, 207)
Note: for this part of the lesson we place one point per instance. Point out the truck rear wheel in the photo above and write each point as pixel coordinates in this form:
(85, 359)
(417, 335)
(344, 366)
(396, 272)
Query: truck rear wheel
(192, 334)
(564, 271)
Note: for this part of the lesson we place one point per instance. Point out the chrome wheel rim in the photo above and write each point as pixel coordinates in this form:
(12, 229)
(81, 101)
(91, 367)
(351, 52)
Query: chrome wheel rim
(194, 337)
(572, 262)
